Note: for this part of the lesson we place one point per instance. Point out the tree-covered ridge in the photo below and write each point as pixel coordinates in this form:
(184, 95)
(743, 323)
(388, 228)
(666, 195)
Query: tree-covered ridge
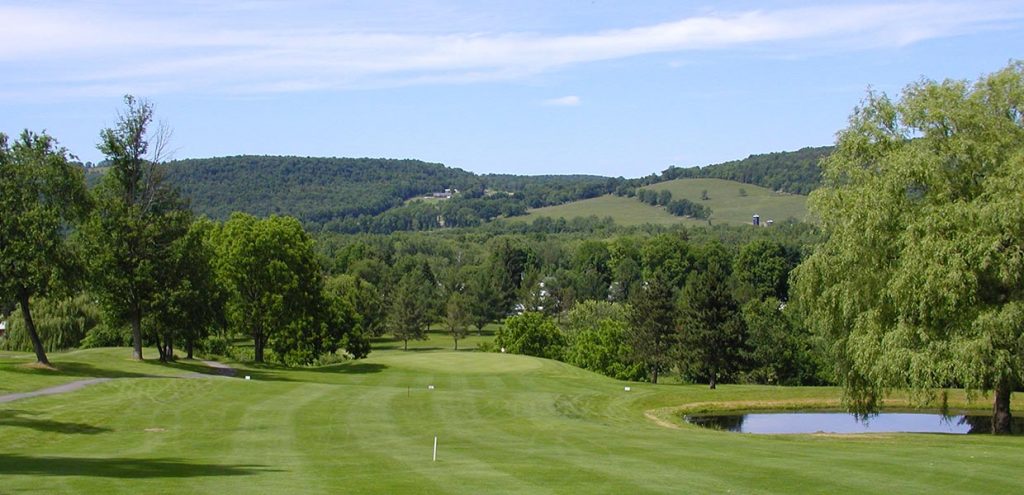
(795, 172)
(316, 190)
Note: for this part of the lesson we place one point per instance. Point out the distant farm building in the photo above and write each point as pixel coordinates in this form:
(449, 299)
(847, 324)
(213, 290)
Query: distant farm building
(447, 194)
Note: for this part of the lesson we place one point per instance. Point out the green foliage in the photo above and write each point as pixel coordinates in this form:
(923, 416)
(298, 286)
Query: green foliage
(652, 324)
(457, 316)
(597, 339)
(919, 284)
(779, 351)
(711, 331)
(762, 270)
(412, 304)
(62, 323)
(106, 336)
(795, 172)
(137, 219)
(686, 208)
(314, 190)
(533, 334)
(190, 301)
(668, 256)
(41, 195)
(276, 290)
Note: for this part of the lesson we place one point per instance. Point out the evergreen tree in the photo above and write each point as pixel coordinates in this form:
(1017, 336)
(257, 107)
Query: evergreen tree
(652, 325)
(711, 331)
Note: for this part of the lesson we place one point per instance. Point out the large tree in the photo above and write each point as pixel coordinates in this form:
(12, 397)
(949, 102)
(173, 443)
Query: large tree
(41, 194)
(412, 304)
(920, 284)
(711, 331)
(190, 300)
(652, 324)
(137, 219)
(275, 285)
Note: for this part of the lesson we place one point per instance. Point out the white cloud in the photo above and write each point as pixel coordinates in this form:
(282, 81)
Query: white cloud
(565, 101)
(66, 50)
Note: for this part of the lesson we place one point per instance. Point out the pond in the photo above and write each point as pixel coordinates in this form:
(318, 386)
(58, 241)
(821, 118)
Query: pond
(840, 422)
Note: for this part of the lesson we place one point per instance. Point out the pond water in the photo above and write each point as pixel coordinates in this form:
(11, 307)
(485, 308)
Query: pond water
(840, 422)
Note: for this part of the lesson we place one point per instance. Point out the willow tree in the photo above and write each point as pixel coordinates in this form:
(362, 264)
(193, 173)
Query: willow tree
(920, 284)
(41, 195)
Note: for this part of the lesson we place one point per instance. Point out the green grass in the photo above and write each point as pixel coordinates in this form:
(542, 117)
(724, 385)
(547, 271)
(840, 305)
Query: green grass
(725, 201)
(728, 206)
(505, 424)
(625, 211)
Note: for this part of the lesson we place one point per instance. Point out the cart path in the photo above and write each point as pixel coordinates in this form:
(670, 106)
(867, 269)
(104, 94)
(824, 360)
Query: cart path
(59, 389)
(221, 370)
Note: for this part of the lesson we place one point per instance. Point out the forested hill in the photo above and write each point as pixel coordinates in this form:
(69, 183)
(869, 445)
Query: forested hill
(372, 194)
(787, 171)
(316, 190)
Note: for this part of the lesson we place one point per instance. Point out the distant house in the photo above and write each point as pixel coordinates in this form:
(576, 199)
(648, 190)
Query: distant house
(447, 194)
(3, 328)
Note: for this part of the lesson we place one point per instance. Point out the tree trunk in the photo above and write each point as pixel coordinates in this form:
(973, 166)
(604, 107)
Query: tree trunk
(258, 351)
(456, 344)
(189, 347)
(654, 375)
(406, 348)
(30, 327)
(169, 347)
(1001, 409)
(713, 384)
(160, 349)
(136, 322)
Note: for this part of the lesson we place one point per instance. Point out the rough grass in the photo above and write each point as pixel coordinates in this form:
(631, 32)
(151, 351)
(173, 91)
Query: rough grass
(504, 423)
(725, 201)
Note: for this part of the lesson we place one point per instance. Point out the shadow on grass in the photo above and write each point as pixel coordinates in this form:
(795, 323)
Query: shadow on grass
(22, 419)
(12, 464)
(278, 372)
(184, 365)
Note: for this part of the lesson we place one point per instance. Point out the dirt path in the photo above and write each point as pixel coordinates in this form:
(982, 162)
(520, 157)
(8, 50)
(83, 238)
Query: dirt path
(221, 369)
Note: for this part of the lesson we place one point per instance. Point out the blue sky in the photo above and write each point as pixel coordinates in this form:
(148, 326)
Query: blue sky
(620, 88)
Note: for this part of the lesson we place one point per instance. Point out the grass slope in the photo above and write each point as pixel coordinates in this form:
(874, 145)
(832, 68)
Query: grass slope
(727, 205)
(505, 424)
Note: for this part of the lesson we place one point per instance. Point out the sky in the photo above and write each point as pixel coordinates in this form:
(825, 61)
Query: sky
(616, 88)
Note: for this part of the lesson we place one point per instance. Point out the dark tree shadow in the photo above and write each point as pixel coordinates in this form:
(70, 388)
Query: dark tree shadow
(11, 464)
(23, 419)
(352, 368)
(186, 366)
(276, 372)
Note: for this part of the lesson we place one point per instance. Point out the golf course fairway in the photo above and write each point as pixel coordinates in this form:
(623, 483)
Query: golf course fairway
(503, 424)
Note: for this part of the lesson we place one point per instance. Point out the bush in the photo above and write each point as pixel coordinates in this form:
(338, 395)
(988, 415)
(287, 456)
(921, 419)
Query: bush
(532, 334)
(106, 336)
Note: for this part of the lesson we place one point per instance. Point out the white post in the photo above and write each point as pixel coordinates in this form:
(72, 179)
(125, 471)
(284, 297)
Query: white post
(435, 449)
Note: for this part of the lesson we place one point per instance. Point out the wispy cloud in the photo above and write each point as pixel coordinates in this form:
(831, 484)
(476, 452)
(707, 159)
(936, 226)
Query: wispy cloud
(69, 51)
(565, 101)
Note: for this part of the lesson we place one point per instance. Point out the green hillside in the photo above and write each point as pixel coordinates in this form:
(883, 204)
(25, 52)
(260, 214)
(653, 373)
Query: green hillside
(724, 198)
(788, 171)
(504, 424)
(728, 205)
(624, 211)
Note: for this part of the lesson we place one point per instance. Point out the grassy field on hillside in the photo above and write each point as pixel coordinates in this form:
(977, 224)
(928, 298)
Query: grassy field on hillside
(504, 424)
(725, 201)
(729, 206)
(625, 211)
